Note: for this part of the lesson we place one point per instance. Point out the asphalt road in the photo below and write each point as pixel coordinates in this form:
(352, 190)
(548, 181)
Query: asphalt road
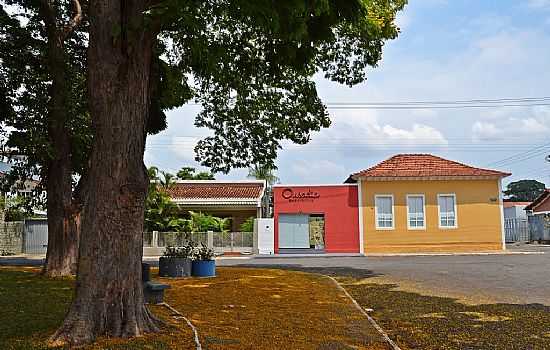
(517, 279)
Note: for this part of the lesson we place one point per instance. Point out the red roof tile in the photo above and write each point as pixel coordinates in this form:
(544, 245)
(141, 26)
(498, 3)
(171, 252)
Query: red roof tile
(210, 189)
(424, 165)
(508, 204)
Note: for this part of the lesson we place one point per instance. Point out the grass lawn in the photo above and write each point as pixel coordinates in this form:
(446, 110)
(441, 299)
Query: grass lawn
(415, 321)
(248, 308)
(240, 309)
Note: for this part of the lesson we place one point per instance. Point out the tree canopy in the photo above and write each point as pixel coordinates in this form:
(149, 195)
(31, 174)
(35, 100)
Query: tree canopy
(263, 172)
(252, 65)
(524, 190)
(189, 173)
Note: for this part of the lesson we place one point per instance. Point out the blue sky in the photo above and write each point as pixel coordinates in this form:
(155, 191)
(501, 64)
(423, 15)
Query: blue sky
(447, 50)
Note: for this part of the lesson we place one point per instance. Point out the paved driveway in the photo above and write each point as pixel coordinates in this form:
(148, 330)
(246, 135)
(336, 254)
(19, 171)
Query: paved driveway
(521, 279)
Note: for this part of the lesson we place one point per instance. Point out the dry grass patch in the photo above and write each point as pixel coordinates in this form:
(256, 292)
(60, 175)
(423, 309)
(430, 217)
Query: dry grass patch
(418, 321)
(271, 309)
(239, 309)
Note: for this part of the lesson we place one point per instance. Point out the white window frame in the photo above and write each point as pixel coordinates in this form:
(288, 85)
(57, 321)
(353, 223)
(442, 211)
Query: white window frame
(423, 211)
(392, 227)
(439, 211)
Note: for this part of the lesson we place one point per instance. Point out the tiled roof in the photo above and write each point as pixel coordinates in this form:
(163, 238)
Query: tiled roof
(544, 195)
(424, 165)
(214, 189)
(508, 204)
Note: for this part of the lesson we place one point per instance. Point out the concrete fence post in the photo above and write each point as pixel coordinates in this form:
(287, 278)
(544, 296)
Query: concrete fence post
(210, 239)
(155, 239)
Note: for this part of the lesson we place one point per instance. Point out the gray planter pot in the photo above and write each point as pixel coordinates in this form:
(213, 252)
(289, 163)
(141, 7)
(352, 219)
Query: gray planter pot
(174, 267)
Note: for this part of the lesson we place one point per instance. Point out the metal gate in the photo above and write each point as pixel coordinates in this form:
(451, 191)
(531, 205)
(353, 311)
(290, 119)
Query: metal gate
(36, 236)
(517, 230)
(294, 231)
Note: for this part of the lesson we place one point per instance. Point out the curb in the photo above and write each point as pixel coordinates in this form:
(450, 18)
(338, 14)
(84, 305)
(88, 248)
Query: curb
(384, 335)
(195, 332)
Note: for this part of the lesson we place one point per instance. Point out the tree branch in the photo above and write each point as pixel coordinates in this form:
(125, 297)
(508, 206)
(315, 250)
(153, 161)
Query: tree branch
(75, 21)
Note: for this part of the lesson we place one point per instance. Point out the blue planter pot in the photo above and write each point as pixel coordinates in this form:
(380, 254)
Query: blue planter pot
(204, 268)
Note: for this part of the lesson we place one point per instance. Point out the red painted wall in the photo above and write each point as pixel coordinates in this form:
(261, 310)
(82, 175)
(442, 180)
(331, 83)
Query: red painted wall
(339, 204)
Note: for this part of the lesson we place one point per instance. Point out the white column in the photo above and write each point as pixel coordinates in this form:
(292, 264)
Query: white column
(360, 204)
(501, 205)
(210, 239)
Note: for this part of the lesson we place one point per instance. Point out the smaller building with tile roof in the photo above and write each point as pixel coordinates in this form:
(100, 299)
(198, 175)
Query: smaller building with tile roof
(541, 204)
(237, 200)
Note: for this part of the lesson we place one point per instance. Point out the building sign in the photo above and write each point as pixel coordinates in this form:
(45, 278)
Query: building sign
(300, 196)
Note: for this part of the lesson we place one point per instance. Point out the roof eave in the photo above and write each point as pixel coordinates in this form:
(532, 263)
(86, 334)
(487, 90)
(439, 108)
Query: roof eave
(431, 177)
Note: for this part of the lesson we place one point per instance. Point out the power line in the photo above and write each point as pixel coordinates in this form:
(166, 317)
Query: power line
(473, 101)
(519, 156)
(365, 107)
(439, 104)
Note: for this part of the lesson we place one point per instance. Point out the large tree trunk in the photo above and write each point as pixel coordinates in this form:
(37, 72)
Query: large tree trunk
(61, 255)
(63, 222)
(109, 296)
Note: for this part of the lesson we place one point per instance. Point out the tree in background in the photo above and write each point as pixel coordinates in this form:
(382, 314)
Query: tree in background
(43, 93)
(524, 190)
(248, 225)
(15, 208)
(265, 172)
(188, 173)
(252, 63)
(166, 180)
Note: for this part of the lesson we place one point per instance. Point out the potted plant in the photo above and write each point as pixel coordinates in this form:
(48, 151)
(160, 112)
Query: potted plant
(176, 261)
(204, 264)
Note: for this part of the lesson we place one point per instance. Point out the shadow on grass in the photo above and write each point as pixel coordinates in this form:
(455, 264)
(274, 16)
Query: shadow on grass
(418, 321)
(33, 306)
(426, 322)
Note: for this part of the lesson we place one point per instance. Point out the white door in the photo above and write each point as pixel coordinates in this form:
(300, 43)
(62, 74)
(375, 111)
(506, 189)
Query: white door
(293, 231)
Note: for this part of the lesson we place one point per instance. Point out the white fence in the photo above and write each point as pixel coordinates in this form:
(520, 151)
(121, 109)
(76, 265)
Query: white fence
(516, 230)
(221, 242)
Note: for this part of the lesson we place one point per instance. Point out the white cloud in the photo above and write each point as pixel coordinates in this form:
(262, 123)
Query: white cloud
(316, 171)
(532, 125)
(184, 147)
(485, 131)
(366, 128)
(516, 123)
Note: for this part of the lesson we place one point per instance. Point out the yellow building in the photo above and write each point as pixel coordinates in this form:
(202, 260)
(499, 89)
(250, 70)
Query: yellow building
(413, 203)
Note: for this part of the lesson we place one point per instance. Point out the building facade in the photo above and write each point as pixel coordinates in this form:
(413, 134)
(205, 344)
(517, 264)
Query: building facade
(316, 218)
(236, 200)
(421, 203)
(409, 203)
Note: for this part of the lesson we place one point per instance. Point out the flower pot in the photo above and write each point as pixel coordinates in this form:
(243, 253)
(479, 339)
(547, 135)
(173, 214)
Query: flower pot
(204, 268)
(174, 267)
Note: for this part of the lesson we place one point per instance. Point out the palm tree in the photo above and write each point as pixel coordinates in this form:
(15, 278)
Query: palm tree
(167, 180)
(263, 172)
(267, 173)
(153, 172)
